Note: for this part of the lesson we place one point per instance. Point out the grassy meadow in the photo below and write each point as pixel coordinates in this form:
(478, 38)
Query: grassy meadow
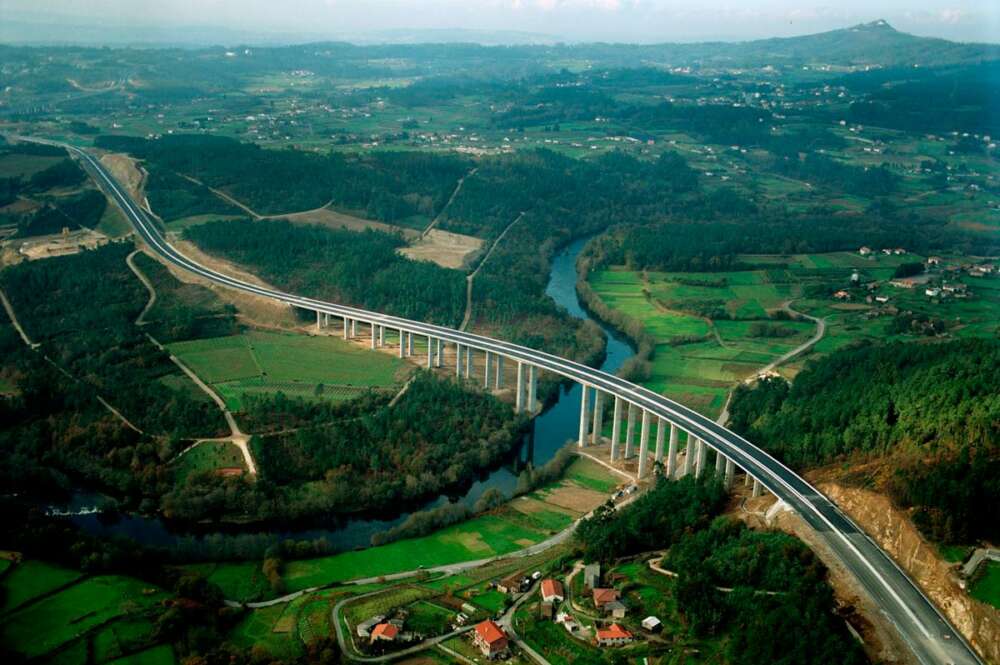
(300, 365)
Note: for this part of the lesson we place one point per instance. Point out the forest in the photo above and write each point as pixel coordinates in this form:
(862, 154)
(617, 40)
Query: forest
(361, 456)
(356, 268)
(933, 409)
(387, 186)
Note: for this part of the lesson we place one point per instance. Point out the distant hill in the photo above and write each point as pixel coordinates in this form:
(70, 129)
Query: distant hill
(877, 44)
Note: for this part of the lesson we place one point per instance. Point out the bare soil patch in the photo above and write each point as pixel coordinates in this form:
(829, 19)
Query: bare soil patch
(61, 244)
(338, 220)
(448, 250)
(256, 310)
(127, 172)
(573, 497)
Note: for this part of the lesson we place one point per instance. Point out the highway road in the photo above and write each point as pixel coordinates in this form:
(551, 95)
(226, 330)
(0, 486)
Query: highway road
(918, 622)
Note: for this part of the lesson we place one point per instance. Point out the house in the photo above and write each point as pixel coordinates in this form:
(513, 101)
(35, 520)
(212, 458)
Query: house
(616, 609)
(613, 636)
(385, 632)
(865, 251)
(855, 277)
(568, 622)
(490, 639)
(899, 251)
(652, 624)
(552, 591)
(513, 584)
(933, 260)
(882, 299)
(933, 292)
(604, 596)
(364, 629)
(592, 576)
(842, 295)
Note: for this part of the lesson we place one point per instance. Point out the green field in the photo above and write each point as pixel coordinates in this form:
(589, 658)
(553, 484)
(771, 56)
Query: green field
(265, 362)
(270, 627)
(480, 538)
(54, 620)
(31, 579)
(698, 359)
(987, 587)
(703, 321)
(209, 456)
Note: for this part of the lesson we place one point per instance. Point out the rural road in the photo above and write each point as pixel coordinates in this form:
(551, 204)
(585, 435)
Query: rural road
(917, 620)
(808, 344)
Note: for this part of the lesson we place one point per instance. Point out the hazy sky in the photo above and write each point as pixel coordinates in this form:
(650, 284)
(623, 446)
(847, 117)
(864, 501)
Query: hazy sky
(573, 20)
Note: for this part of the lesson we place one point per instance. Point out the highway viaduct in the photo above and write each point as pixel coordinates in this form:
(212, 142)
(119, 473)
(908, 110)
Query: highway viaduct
(920, 625)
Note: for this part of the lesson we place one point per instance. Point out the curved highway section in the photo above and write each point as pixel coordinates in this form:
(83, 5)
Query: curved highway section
(920, 625)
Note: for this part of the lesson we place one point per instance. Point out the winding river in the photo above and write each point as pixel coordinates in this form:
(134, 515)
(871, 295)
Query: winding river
(550, 431)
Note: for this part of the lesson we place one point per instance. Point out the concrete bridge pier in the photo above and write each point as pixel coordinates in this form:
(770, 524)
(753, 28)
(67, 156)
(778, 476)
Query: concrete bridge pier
(430, 352)
(630, 431)
(757, 489)
(519, 389)
(381, 336)
(660, 438)
(700, 457)
(487, 371)
(688, 455)
(347, 328)
(498, 384)
(598, 424)
(458, 361)
(409, 344)
(616, 429)
(672, 451)
(720, 462)
(532, 389)
(584, 416)
(318, 325)
(468, 362)
(730, 473)
(354, 327)
(644, 444)
(439, 353)
(374, 342)
(402, 343)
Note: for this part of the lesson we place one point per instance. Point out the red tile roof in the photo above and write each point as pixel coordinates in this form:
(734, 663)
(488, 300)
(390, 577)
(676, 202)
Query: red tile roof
(614, 632)
(489, 632)
(602, 596)
(385, 630)
(551, 588)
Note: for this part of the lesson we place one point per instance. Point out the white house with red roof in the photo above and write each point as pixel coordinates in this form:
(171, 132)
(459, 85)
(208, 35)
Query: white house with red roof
(490, 639)
(552, 591)
(613, 636)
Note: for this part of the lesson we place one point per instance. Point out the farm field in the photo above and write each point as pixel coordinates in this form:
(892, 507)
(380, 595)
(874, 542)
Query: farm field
(707, 324)
(697, 359)
(32, 579)
(301, 365)
(55, 618)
